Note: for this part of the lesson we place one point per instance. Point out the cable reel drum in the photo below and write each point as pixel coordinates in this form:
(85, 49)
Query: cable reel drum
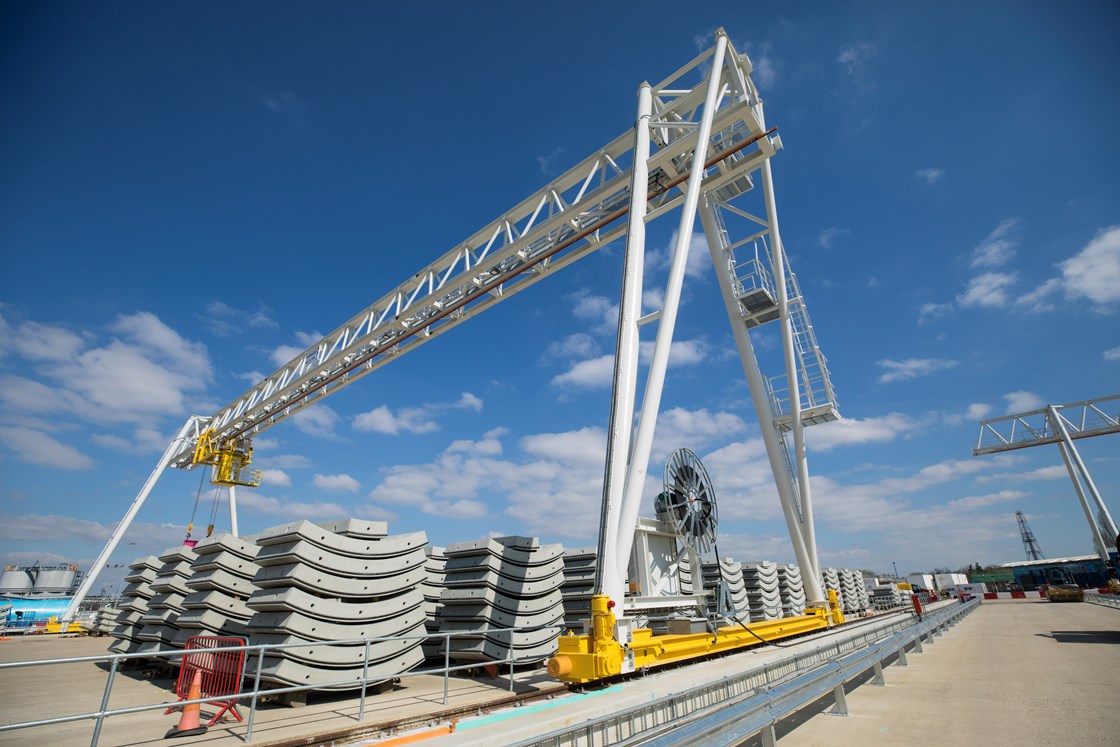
(688, 501)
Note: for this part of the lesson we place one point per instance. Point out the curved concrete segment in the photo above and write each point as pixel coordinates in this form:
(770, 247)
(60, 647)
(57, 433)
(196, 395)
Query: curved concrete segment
(522, 551)
(396, 554)
(229, 562)
(333, 610)
(314, 580)
(317, 654)
(288, 672)
(502, 601)
(219, 580)
(488, 614)
(355, 543)
(219, 602)
(510, 587)
(240, 546)
(310, 629)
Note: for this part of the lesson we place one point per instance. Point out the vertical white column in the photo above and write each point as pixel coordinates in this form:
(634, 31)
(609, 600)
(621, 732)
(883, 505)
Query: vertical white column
(759, 398)
(808, 528)
(122, 527)
(1109, 524)
(655, 381)
(612, 574)
(233, 511)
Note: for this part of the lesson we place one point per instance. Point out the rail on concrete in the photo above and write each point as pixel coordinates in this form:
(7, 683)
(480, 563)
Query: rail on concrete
(370, 676)
(733, 709)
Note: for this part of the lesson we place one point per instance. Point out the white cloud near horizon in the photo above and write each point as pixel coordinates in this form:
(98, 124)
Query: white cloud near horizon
(930, 176)
(912, 368)
(1022, 401)
(415, 420)
(337, 483)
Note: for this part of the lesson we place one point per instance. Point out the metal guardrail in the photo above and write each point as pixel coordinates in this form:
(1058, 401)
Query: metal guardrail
(1105, 600)
(371, 676)
(732, 709)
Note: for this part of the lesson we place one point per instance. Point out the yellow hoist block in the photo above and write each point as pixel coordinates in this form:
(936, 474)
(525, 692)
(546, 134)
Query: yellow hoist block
(228, 460)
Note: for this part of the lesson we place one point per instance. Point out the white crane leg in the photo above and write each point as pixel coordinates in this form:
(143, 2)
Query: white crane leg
(612, 577)
(655, 382)
(118, 533)
(760, 400)
(1066, 447)
(806, 525)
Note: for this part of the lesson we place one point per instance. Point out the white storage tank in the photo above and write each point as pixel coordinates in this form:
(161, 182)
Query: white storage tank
(55, 580)
(15, 581)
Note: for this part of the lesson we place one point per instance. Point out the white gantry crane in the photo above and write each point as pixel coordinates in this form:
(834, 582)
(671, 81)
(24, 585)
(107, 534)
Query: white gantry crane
(1062, 425)
(699, 147)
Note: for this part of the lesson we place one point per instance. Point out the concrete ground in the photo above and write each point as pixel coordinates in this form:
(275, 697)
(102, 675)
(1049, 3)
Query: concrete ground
(1015, 672)
(999, 677)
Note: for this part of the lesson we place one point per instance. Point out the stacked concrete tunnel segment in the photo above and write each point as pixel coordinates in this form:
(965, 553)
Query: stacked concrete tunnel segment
(304, 585)
(346, 580)
(493, 585)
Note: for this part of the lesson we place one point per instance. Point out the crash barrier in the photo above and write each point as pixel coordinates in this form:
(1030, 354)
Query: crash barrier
(1105, 600)
(221, 666)
(731, 710)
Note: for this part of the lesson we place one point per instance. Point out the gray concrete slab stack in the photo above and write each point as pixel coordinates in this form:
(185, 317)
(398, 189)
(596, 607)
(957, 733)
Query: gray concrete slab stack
(831, 580)
(221, 581)
(105, 620)
(507, 582)
(158, 625)
(886, 597)
(685, 576)
(341, 580)
(136, 593)
(579, 586)
(851, 584)
(730, 572)
(433, 588)
(765, 600)
(791, 589)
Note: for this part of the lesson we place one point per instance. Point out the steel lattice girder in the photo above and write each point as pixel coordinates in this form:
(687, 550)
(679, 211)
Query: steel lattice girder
(564, 221)
(1093, 417)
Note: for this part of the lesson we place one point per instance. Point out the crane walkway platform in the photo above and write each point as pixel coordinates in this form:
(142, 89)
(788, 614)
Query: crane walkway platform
(1009, 673)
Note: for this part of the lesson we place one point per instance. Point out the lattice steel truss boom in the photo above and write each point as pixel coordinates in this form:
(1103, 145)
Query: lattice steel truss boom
(569, 218)
(1092, 417)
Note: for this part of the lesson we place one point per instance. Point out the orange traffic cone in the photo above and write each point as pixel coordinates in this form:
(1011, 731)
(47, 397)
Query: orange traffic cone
(188, 722)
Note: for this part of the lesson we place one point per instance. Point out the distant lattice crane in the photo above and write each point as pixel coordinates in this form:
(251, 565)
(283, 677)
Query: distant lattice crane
(1030, 544)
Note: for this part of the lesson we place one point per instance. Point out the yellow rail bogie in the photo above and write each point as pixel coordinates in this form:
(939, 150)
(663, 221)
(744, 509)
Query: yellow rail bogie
(597, 656)
(230, 460)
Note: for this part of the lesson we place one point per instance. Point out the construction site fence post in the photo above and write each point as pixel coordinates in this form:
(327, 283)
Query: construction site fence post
(256, 695)
(365, 682)
(105, 700)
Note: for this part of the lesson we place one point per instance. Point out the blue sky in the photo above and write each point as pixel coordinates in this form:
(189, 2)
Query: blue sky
(191, 194)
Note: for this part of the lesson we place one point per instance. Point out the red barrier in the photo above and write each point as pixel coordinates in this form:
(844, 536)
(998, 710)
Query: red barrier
(222, 672)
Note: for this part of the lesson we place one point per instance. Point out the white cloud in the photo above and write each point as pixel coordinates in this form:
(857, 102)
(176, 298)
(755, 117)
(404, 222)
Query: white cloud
(1112, 354)
(338, 483)
(284, 354)
(420, 419)
(930, 176)
(979, 501)
(976, 412)
(595, 373)
(988, 290)
(36, 447)
(275, 478)
(1042, 473)
(224, 320)
(827, 238)
(998, 248)
(578, 345)
(694, 429)
(318, 420)
(1038, 300)
(1094, 272)
(933, 311)
(587, 446)
(42, 342)
(282, 461)
(469, 401)
(854, 58)
(549, 163)
(912, 368)
(852, 431)
(1022, 401)
(601, 311)
(697, 265)
(253, 501)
